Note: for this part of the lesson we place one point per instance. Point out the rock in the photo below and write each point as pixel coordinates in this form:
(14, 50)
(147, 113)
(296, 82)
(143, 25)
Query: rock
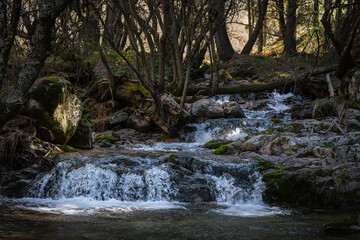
(352, 119)
(307, 163)
(138, 123)
(351, 86)
(301, 111)
(117, 119)
(344, 225)
(233, 110)
(326, 107)
(56, 108)
(206, 109)
(82, 137)
(209, 109)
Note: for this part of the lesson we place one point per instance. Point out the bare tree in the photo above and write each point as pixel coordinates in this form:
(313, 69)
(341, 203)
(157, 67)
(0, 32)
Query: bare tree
(7, 33)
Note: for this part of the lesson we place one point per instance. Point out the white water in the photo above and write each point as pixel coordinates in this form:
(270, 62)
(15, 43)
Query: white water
(89, 188)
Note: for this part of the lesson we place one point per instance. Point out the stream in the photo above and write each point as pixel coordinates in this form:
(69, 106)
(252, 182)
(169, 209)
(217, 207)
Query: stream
(164, 190)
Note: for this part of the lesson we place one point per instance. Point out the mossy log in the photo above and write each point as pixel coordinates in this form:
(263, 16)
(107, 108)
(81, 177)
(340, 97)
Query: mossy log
(283, 84)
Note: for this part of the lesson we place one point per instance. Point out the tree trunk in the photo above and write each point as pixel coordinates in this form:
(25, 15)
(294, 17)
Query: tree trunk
(250, 43)
(290, 35)
(7, 35)
(316, 14)
(40, 49)
(224, 48)
(250, 24)
(281, 12)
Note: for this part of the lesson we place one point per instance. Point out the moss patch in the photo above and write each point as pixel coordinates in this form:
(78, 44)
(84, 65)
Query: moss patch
(103, 138)
(263, 164)
(215, 144)
(67, 148)
(221, 150)
(342, 221)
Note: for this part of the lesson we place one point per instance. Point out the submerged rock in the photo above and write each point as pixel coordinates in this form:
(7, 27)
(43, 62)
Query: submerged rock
(56, 108)
(344, 224)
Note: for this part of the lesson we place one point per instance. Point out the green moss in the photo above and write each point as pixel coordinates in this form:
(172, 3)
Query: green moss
(296, 127)
(263, 164)
(328, 145)
(273, 177)
(221, 150)
(277, 121)
(342, 221)
(102, 138)
(67, 148)
(215, 144)
(49, 92)
(170, 158)
(137, 88)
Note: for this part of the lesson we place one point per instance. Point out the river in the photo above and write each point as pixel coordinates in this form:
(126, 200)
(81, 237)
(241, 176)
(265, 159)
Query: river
(163, 191)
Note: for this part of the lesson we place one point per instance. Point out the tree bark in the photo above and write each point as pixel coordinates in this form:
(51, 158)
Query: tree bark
(281, 12)
(224, 48)
(290, 34)
(40, 49)
(7, 35)
(250, 43)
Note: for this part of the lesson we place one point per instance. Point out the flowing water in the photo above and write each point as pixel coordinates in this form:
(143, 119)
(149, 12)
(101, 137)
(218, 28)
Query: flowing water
(143, 192)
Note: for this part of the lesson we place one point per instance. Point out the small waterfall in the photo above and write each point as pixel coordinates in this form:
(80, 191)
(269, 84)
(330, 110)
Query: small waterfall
(103, 184)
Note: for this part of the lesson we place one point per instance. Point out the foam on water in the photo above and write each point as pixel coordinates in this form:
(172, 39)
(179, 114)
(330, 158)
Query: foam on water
(90, 206)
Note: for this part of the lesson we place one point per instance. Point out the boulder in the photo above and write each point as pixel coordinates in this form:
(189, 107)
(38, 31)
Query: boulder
(209, 109)
(117, 119)
(138, 123)
(351, 86)
(233, 110)
(82, 137)
(56, 108)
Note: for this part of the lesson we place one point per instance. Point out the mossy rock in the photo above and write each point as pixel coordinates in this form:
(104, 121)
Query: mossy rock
(105, 138)
(131, 92)
(221, 150)
(344, 224)
(56, 108)
(67, 148)
(292, 191)
(263, 164)
(214, 144)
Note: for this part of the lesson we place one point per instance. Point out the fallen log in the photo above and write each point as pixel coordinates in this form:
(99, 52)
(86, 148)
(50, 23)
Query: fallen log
(282, 85)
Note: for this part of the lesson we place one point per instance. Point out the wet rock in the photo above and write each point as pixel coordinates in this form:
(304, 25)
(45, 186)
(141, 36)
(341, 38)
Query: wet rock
(56, 108)
(325, 108)
(344, 225)
(351, 86)
(308, 163)
(117, 119)
(16, 189)
(352, 119)
(138, 123)
(82, 137)
(233, 110)
(209, 109)
(301, 111)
